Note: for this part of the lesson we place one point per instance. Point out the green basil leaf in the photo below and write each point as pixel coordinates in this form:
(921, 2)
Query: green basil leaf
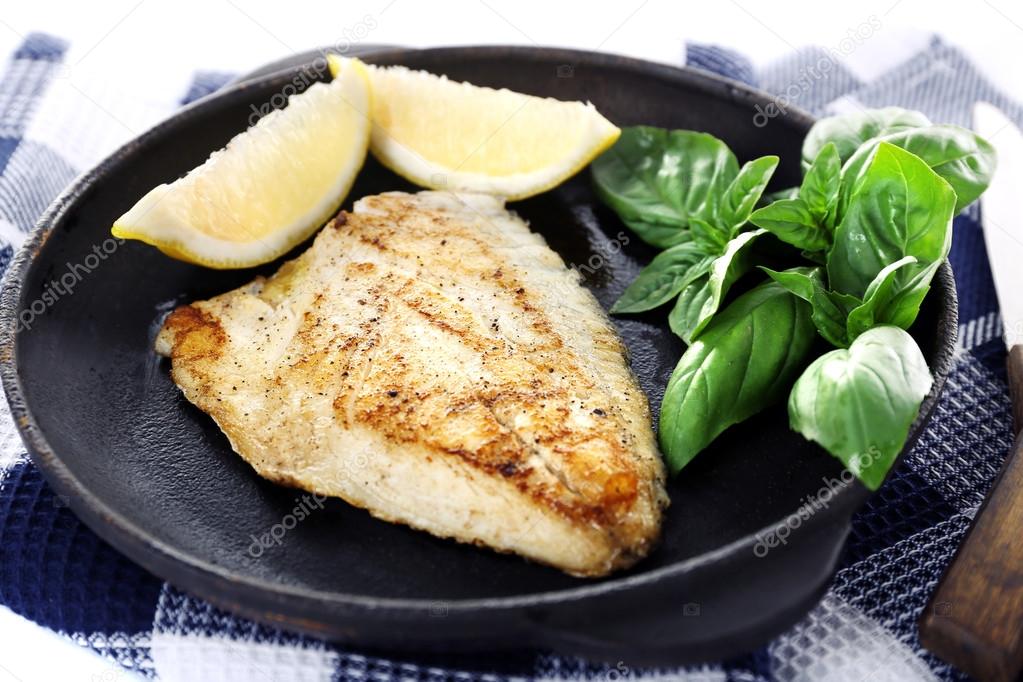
(829, 310)
(791, 221)
(877, 298)
(656, 179)
(905, 305)
(663, 278)
(964, 159)
(701, 298)
(849, 131)
(688, 307)
(859, 403)
(830, 314)
(709, 236)
(744, 192)
(819, 190)
(801, 281)
(743, 361)
(899, 208)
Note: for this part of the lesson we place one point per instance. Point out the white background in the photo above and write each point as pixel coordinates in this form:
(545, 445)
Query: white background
(129, 38)
(152, 46)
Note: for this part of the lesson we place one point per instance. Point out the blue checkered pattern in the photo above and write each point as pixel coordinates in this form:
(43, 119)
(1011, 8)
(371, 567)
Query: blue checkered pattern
(56, 572)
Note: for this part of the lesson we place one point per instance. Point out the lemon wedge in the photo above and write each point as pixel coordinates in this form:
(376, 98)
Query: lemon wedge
(446, 135)
(270, 188)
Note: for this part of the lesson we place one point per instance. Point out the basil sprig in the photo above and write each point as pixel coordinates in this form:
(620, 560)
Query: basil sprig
(685, 192)
(872, 219)
(745, 359)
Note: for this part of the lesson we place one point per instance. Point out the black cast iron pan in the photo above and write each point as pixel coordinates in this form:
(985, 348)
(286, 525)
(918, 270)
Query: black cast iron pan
(156, 478)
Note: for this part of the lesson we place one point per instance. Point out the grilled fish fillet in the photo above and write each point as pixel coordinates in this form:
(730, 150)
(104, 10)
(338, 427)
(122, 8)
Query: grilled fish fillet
(431, 360)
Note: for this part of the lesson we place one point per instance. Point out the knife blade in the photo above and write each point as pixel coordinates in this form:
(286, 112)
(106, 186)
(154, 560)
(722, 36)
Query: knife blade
(1002, 218)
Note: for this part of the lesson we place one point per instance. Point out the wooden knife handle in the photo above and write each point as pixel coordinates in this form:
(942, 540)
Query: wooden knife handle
(975, 618)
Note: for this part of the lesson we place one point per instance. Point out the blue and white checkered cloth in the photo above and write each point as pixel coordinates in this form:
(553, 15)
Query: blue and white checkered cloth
(56, 572)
